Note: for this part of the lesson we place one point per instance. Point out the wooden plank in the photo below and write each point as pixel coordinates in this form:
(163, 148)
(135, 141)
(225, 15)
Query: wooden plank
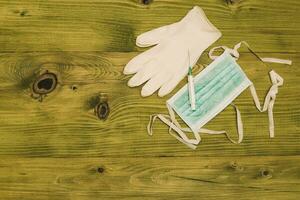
(106, 25)
(150, 178)
(64, 124)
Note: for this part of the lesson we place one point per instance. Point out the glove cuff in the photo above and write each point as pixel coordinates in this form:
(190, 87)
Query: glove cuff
(199, 32)
(197, 18)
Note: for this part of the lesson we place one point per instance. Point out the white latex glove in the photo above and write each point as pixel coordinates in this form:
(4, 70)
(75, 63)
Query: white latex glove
(166, 64)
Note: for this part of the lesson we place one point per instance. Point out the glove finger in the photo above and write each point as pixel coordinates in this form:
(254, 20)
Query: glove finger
(154, 36)
(137, 62)
(149, 70)
(154, 84)
(175, 78)
(170, 85)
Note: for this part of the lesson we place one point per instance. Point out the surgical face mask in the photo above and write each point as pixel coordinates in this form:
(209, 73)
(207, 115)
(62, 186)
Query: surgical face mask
(215, 88)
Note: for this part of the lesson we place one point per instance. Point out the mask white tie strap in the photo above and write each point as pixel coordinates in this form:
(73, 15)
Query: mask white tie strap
(234, 52)
(276, 79)
(269, 99)
(166, 119)
(173, 124)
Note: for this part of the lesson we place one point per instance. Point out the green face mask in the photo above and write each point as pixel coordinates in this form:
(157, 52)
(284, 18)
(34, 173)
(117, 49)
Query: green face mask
(215, 88)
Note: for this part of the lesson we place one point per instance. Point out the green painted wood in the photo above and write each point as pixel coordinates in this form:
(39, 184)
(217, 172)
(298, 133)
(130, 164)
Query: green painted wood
(150, 178)
(57, 148)
(106, 25)
(64, 123)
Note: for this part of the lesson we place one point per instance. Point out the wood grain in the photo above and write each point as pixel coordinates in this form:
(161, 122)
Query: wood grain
(151, 178)
(54, 146)
(106, 25)
(64, 124)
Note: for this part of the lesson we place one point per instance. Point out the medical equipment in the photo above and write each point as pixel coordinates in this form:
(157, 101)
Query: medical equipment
(216, 87)
(191, 87)
(166, 64)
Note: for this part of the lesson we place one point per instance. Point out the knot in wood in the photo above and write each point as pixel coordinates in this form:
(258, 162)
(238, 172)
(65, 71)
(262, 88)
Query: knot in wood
(265, 173)
(45, 83)
(146, 2)
(100, 170)
(232, 1)
(235, 166)
(102, 108)
(74, 87)
(23, 13)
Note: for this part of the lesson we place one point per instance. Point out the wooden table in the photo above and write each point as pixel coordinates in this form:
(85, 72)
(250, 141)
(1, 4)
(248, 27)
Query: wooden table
(54, 146)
